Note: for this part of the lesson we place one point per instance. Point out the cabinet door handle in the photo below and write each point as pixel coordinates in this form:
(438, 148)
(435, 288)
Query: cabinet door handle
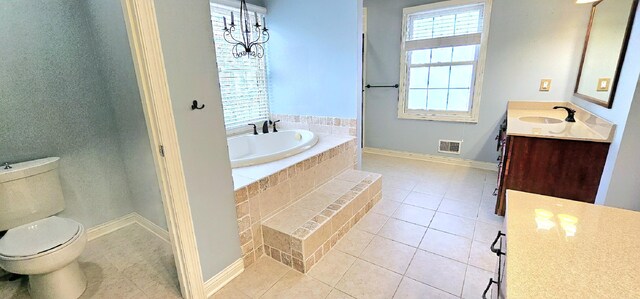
(493, 245)
(486, 290)
(495, 192)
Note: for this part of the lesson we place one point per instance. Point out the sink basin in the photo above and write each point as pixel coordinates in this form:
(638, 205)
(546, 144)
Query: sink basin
(540, 120)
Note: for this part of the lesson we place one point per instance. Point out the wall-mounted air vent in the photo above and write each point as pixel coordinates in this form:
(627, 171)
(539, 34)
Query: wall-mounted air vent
(450, 146)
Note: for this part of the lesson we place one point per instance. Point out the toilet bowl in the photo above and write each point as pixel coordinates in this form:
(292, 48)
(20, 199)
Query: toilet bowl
(47, 250)
(36, 242)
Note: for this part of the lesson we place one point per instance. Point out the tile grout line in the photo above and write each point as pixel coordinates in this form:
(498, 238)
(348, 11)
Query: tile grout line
(475, 220)
(365, 247)
(414, 255)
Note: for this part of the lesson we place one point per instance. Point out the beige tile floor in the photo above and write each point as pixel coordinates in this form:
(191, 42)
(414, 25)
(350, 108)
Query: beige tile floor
(128, 263)
(428, 238)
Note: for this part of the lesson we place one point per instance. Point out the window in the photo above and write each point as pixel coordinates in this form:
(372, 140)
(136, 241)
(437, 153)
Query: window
(442, 60)
(243, 81)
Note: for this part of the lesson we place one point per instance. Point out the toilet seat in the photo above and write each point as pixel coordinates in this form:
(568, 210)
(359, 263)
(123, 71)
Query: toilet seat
(38, 238)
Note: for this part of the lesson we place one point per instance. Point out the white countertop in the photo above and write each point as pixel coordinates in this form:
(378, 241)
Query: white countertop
(559, 248)
(588, 127)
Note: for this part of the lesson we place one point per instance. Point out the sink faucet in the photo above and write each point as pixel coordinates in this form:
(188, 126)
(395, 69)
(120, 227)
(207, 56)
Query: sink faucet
(570, 113)
(6, 165)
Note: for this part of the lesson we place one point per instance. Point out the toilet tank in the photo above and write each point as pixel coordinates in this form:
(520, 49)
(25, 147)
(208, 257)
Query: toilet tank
(29, 191)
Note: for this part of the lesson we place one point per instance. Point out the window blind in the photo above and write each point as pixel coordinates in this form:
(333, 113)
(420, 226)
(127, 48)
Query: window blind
(454, 26)
(243, 81)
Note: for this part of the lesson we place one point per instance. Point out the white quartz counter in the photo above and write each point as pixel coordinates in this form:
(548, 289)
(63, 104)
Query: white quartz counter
(559, 248)
(588, 127)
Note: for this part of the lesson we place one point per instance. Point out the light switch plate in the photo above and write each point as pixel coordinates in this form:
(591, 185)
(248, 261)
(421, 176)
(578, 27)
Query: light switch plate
(545, 84)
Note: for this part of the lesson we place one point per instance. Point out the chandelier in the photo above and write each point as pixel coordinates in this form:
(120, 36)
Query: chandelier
(251, 36)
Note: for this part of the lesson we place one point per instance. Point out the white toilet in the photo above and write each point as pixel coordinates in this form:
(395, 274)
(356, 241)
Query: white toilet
(36, 243)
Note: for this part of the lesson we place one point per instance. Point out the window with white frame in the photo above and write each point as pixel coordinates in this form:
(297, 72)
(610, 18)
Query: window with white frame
(442, 60)
(243, 81)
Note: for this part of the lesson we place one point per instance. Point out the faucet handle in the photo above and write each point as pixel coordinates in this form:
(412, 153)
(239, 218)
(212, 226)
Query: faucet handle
(255, 129)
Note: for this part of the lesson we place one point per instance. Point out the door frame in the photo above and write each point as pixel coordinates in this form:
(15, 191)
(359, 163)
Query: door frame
(364, 76)
(144, 39)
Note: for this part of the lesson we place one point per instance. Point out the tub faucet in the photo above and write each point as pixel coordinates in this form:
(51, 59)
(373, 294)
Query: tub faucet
(274, 126)
(265, 126)
(570, 113)
(6, 165)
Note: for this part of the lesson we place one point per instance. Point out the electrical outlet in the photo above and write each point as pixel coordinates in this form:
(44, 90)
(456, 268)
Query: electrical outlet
(545, 84)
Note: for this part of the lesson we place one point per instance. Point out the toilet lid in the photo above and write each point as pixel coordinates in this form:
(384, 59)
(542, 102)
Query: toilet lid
(38, 236)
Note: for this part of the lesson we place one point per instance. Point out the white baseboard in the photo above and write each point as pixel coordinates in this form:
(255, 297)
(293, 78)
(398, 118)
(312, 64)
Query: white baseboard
(225, 276)
(118, 223)
(152, 227)
(432, 158)
(110, 226)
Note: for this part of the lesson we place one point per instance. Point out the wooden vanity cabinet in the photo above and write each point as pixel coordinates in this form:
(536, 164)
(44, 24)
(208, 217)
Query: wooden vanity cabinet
(555, 167)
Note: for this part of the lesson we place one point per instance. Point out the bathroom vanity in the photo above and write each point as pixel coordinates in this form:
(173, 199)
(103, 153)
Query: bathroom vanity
(544, 154)
(556, 248)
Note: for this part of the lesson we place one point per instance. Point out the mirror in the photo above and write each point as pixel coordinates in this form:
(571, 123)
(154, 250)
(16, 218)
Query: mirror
(604, 50)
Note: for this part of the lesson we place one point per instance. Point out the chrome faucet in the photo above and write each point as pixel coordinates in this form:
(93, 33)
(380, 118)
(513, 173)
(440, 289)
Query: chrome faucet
(570, 113)
(6, 165)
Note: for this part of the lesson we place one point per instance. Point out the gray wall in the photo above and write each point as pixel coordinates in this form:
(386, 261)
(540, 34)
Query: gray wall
(314, 57)
(118, 74)
(528, 41)
(619, 185)
(53, 103)
(190, 61)
(623, 190)
(69, 90)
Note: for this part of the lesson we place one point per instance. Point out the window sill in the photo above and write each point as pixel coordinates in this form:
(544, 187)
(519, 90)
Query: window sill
(239, 131)
(460, 118)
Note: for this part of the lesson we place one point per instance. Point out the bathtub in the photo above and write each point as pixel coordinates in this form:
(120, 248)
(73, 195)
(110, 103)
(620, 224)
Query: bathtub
(250, 150)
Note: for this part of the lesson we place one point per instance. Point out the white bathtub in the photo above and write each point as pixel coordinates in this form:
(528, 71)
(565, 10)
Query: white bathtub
(249, 150)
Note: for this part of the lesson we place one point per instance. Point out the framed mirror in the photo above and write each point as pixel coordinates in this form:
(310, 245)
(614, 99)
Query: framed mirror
(604, 50)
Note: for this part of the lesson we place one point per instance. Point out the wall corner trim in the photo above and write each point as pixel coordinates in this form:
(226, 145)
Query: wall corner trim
(218, 281)
(432, 158)
(152, 227)
(110, 226)
(118, 223)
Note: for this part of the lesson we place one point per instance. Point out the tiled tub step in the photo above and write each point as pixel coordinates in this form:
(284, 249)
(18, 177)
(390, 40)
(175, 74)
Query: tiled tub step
(301, 234)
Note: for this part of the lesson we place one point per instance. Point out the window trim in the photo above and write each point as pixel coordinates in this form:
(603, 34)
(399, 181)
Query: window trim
(448, 116)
